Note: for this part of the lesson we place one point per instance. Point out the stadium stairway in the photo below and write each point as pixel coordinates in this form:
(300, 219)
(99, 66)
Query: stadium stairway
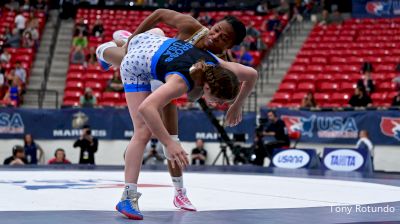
(272, 84)
(59, 65)
(38, 69)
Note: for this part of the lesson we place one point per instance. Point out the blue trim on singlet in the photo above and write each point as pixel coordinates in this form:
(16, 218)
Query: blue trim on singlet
(157, 55)
(215, 57)
(133, 88)
(182, 76)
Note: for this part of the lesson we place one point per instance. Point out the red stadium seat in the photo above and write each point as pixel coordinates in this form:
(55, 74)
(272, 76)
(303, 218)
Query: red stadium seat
(282, 98)
(111, 96)
(328, 87)
(74, 86)
(287, 87)
(306, 87)
(95, 86)
(321, 97)
(298, 97)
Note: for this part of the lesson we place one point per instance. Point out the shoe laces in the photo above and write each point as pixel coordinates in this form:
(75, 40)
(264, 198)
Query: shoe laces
(183, 197)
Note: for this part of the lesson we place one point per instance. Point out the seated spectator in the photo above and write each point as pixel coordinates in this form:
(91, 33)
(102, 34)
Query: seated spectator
(251, 30)
(153, 154)
(91, 58)
(309, 101)
(20, 22)
(28, 41)
(284, 7)
(325, 19)
(366, 82)
(243, 57)
(41, 5)
(26, 6)
(199, 154)
(59, 157)
(80, 41)
(3, 83)
(31, 149)
(20, 72)
(88, 99)
(7, 34)
(5, 57)
(206, 20)
(273, 24)
(115, 83)
(13, 5)
(396, 79)
(13, 95)
(14, 40)
(250, 43)
(98, 29)
(396, 100)
(337, 18)
(33, 29)
(365, 142)
(17, 158)
(360, 98)
(78, 56)
(81, 27)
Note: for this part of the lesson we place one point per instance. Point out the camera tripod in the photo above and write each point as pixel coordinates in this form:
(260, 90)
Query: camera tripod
(225, 158)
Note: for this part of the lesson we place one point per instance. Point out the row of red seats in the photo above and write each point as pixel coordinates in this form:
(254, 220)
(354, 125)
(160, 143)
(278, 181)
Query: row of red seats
(336, 77)
(329, 86)
(316, 69)
(351, 61)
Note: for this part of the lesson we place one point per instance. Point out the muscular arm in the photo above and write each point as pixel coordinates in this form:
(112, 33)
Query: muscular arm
(185, 24)
(247, 75)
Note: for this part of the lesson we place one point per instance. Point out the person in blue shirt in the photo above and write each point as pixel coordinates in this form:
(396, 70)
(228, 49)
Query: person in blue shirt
(31, 149)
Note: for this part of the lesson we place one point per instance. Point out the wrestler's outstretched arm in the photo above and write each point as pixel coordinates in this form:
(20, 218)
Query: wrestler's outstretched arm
(248, 76)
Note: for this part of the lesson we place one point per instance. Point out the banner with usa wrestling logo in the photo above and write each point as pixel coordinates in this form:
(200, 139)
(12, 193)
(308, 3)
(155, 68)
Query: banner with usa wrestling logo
(376, 8)
(342, 127)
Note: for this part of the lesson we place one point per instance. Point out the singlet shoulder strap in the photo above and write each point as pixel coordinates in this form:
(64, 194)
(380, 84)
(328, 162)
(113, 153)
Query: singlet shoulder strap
(197, 36)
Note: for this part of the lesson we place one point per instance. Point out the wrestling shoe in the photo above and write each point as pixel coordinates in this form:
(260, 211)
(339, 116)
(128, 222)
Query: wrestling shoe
(181, 201)
(99, 53)
(122, 35)
(130, 207)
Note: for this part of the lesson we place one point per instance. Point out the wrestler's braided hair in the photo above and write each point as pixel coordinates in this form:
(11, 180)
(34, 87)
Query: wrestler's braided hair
(223, 82)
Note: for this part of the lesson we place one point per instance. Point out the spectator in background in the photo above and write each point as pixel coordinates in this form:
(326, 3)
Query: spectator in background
(78, 56)
(251, 30)
(274, 24)
(20, 72)
(41, 5)
(14, 40)
(26, 6)
(98, 29)
(206, 20)
(153, 154)
(13, 5)
(20, 21)
(7, 34)
(13, 95)
(275, 128)
(88, 99)
(59, 157)
(336, 17)
(81, 27)
(360, 98)
(366, 82)
(258, 149)
(309, 101)
(28, 41)
(3, 83)
(31, 149)
(243, 57)
(91, 57)
(396, 79)
(365, 142)
(325, 19)
(396, 100)
(5, 57)
(115, 83)
(17, 158)
(32, 28)
(80, 41)
(88, 145)
(199, 154)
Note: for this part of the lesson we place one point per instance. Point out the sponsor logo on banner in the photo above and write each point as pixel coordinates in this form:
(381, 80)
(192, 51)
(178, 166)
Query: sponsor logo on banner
(11, 123)
(390, 126)
(378, 8)
(214, 135)
(326, 127)
(301, 124)
(343, 160)
(291, 158)
(79, 119)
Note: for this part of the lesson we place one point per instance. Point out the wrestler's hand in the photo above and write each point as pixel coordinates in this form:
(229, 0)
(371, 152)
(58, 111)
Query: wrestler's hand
(234, 115)
(177, 155)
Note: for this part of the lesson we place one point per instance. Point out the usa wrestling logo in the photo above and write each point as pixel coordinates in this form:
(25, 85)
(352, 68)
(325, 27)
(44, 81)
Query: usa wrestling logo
(391, 127)
(301, 124)
(378, 8)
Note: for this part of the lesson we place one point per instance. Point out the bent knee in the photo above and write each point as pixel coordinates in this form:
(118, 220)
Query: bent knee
(157, 31)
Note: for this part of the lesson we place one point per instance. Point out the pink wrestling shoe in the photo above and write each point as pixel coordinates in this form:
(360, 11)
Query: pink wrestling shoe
(181, 201)
(122, 35)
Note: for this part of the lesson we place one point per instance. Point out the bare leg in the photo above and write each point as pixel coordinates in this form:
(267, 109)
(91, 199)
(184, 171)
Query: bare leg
(114, 55)
(135, 149)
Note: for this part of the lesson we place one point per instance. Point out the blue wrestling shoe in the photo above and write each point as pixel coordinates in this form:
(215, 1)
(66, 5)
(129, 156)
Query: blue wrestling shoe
(130, 207)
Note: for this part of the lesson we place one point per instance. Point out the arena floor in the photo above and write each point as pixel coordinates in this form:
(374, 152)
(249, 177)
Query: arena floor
(222, 195)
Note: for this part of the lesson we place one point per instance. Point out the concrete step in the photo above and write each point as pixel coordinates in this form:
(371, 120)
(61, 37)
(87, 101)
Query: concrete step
(57, 78)
(58, 87)
(60, 63)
